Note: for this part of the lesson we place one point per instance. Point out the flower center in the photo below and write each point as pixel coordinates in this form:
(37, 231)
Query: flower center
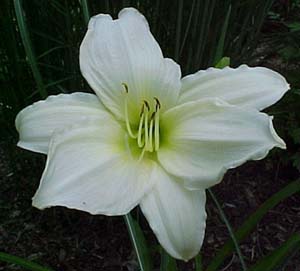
(147, 132)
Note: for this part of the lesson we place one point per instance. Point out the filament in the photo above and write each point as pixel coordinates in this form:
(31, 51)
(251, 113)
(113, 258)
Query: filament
(140, 135)
(156, 126)
(150, 145)
(146, 128)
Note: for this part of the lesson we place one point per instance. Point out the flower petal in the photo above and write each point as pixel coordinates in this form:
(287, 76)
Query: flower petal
(176, 215)
(205, 138)
(120, 51)
(89, 168)
(37, 122)
(252, 87)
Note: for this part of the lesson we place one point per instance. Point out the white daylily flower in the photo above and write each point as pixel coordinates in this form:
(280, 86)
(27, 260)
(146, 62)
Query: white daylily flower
(148, 137)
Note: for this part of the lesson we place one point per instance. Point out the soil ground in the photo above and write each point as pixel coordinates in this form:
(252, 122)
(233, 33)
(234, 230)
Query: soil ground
(72, 240)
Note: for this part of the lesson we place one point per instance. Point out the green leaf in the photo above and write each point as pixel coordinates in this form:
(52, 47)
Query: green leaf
(295, 133)
(293, 26)
(168, 263)
(85, 10)
(187, 27)
(279, 255)
(198, 263)
(50, 84)
(229, 228)
(290, 52)
(22, 262)
(49, 51)
(224, 62)
(28, 48)
(178, 29)
(139, 243)
(252, 221)
(220, 46)
(206, 18)
(295, 158)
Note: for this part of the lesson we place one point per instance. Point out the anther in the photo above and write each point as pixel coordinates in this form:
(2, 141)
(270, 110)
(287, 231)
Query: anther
(157, 103)
(147, 105)
(125, 87)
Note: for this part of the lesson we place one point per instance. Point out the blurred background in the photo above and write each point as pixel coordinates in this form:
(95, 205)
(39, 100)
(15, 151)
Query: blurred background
(39, 46)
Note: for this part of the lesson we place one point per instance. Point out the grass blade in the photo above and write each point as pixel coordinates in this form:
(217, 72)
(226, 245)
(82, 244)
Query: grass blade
(278, 256)
(187, 28)
(85, 10)
(194, 31)
(252, 221)
(139, 243)
(207, 17)
(28, 48)
(48, 37)
(61, 80)
(220, 47)
(204, 20)
(22, 262)
(229, 228)
(178, 29)
(49, 51)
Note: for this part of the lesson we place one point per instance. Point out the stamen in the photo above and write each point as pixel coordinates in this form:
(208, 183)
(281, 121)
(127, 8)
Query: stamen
(142, 154)
(131, 134)
(150, 146)
(125, 87)
(148, 130)
(140, 136)
(147, 104)
(156, 125)
(127, 145)
(146, 125)
(157, 103)
(142, 110)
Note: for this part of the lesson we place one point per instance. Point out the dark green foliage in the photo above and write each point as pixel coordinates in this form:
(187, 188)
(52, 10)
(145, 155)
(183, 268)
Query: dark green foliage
(28, 265)
(39, 45)
(40, 40)
(230, 230)
(276, 259)
(139, 243)
(251, 223)
(167, 263)
(284, 39)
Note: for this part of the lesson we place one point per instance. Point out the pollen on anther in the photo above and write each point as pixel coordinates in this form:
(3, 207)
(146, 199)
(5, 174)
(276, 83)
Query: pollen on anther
(157, 102)
(125, 87)
(147, 105)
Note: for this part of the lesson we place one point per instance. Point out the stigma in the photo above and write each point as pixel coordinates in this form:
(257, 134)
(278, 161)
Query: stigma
(147, 132)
